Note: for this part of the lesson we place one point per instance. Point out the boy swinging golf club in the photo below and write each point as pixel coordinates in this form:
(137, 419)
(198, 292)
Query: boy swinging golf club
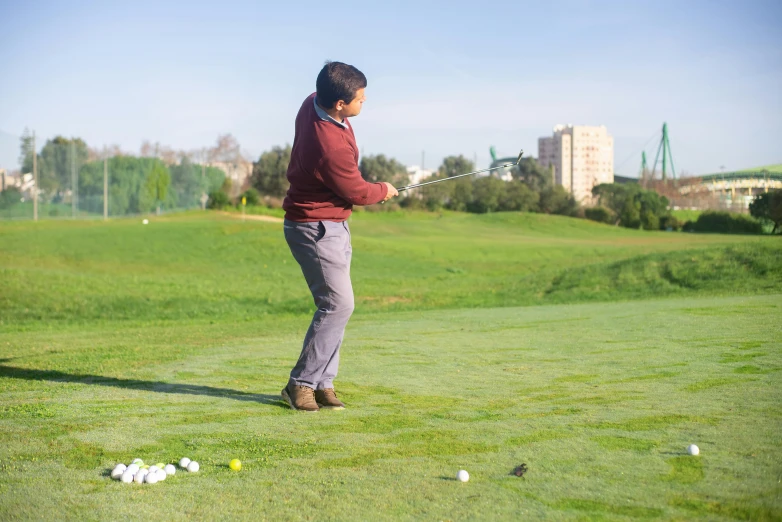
(325, 183)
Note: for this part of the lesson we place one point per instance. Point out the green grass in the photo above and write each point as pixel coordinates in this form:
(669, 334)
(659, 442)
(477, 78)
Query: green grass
(193, 266)
(120, 341)
(45, 211)
(686, 215)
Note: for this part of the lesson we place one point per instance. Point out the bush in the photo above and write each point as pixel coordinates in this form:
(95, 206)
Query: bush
(252, 196)
(218, 199)
(767, 207)
(10, 197)
(670, 222)
(727, 223)
(599, 214)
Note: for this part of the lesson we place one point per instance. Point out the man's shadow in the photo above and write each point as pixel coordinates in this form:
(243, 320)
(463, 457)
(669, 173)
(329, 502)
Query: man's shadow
(135, 384)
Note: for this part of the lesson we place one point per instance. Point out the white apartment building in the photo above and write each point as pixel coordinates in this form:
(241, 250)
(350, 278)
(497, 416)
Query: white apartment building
(418, 174)
(581, 157)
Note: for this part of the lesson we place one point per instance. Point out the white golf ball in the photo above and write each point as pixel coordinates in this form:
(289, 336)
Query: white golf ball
(151, 478)
(692, 449)
(139, 478)
(170, 469)
(127, 477)
(463, 476)
(121, 466)
(133, 468)
(138, 462)
(161, 475)
(153, 469)
(184, 462)
(116, 473)
(193, 466)
(146, 222)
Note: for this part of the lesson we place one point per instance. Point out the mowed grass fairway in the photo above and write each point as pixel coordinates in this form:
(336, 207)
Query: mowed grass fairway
(595, 355)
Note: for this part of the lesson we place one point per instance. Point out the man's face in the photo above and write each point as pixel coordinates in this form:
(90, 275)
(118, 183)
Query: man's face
(348, 110)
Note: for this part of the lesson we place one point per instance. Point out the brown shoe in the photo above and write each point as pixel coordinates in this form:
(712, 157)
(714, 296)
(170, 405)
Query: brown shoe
(327, 399)
(300, 398)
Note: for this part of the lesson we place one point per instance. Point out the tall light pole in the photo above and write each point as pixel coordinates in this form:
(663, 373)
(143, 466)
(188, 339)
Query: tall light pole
(105, 188)
(73, 182)
(35, 182)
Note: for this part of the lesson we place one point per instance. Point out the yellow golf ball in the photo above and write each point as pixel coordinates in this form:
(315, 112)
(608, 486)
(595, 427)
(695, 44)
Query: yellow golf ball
(235, 464)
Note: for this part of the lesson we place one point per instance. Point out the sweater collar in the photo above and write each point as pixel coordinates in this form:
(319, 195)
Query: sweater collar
(323, 115)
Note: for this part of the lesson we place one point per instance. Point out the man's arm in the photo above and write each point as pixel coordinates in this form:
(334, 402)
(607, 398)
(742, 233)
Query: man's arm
(339, 172)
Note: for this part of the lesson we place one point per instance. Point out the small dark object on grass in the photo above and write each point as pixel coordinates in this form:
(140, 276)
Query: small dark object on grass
(520, 470)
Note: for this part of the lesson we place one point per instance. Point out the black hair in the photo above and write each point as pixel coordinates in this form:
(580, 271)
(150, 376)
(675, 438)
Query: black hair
(338, 81)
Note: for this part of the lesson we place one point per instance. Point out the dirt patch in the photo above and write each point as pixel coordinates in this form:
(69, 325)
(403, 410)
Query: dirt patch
(253, 217)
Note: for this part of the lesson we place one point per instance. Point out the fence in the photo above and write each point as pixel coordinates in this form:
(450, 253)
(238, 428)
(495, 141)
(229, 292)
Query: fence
(67, 179)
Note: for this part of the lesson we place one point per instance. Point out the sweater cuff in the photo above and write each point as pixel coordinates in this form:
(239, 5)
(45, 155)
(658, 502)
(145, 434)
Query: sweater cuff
(383, 191)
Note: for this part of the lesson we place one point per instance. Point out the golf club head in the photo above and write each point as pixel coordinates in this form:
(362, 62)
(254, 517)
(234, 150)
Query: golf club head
(518, 160)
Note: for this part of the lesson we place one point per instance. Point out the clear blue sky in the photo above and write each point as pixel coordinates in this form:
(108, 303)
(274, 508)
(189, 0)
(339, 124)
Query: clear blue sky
(445, 77)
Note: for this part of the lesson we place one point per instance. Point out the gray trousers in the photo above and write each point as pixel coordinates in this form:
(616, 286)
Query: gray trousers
(323, 251)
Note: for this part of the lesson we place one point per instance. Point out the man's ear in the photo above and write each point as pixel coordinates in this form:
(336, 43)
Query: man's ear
(339, 105)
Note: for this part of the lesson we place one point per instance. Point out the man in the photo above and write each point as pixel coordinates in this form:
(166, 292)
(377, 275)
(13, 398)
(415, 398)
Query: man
(325, 184)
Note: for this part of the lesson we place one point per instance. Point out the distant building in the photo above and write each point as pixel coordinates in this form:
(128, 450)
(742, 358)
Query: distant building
(417, 174)
(239, 172)
(582, 157)
(505, 173)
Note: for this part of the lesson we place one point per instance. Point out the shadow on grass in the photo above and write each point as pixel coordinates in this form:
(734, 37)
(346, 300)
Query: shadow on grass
(135, 384)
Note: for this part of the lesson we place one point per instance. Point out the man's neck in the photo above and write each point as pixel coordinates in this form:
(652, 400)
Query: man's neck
(334, 113)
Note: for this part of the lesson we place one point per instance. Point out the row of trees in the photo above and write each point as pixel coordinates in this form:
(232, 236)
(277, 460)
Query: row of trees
(629, 205)
(531, 188)
(68, 169)
(767, 208)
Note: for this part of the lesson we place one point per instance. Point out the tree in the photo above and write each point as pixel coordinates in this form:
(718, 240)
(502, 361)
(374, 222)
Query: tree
(599, 214)
(455, 165)
(518, 196)
(633, 206)
(379, 168)
(775, 209)
(187, 183)
(487, 192)
(536, 177)
(26, 151)
(226, 150)
(155, 188)
(557, 200)
(652, 207)
(461, 193)
(614, 196)
(630, 213)
(269, 172)
(58, 159)
(9, 197)
(768, 207)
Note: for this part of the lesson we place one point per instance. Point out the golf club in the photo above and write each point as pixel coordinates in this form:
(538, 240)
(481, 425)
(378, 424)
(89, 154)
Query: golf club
(518, 160)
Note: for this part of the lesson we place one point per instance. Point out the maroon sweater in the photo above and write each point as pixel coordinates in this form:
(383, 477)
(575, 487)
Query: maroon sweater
(323, 172)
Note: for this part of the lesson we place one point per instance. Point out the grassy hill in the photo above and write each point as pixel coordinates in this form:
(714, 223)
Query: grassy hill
(119, 340)
(206, 266)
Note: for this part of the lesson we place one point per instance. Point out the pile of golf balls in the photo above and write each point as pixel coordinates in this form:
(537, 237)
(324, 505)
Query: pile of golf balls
(141, 473)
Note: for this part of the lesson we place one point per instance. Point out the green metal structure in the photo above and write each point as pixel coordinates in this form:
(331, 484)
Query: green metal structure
(665, 147)
(644, 166)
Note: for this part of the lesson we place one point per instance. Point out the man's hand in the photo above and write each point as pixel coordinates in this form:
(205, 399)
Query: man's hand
(391, 192)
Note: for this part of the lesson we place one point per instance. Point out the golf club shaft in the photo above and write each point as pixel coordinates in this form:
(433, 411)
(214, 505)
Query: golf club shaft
(453, 177)
(462, 175)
